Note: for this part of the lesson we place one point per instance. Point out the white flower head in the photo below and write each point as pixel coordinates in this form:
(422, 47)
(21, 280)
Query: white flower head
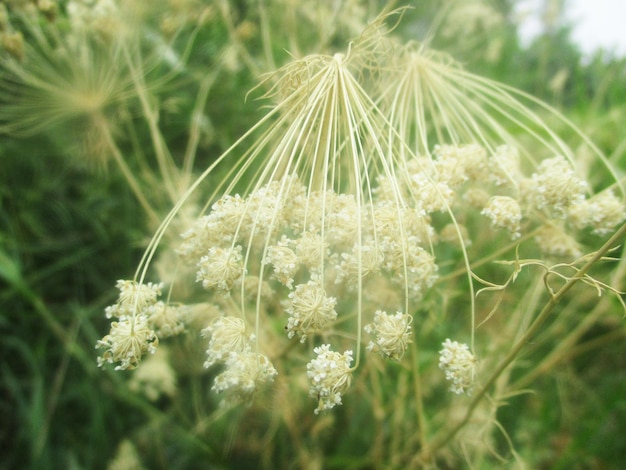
(392, 334)
(227, 335)
(602, 213)
(554, 187)
(128, 340)
(220, 268)
(245, 372)
(167, 320)
(410, 265)
(330, 376)
(311, 250)
(505, 165)
(553, 240)
(284, 261)
(505, 213)
(455, 164)
(134, 297)
(434, 196)
(459, 365)
(364, 260)
(309, 309)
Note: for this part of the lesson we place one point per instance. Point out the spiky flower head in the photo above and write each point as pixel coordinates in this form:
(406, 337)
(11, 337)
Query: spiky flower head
(226, 335)
(392, 334)
(133, 297)
(220, 268)
(129, 339)
(310, 310)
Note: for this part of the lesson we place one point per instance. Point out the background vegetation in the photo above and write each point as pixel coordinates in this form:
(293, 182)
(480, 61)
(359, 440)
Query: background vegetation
(71, 225)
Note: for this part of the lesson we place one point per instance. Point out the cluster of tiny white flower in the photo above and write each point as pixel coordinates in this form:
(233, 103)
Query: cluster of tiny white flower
(226, 335)
(309, 309)
(330, 376)
(392, 332)
(602, 213)
(504, 212)
(126, 343)
(459, 366)
(554, 187)
(245, 370)
(140, 321)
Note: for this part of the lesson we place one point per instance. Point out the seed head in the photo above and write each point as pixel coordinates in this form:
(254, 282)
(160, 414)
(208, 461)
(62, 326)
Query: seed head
(310, 310)
(128, 340)
(392, 334)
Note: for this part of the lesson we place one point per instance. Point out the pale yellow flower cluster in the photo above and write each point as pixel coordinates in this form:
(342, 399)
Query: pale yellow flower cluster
(459, 365)
(330, 376)
(392, 334)
(245, 370)
(140, 321)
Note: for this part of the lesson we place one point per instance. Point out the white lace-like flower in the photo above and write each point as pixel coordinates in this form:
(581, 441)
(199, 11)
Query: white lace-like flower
(434, 196)
(368, 261)
(218, 228)
(330, 376)
(504, 213)
(392, 334)
(391, 221)
(554, 187)
(309, 309)
(284, 261)
(341, 220)
(459, 365)
(455, 164)
(311, 250)
(220, 268)
(227, 335)
(410, 264)
(602, 212)
(245, 372)
(133, 297)
(166, 320)
(127, 341)
(263, 210)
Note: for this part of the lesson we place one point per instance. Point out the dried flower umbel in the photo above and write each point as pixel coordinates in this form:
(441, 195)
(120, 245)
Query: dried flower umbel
(357, 199)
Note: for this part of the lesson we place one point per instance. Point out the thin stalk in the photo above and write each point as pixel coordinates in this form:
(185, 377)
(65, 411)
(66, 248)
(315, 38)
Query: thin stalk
(439, 441)
(126, 171)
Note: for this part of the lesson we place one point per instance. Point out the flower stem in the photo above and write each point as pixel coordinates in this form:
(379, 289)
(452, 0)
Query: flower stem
(442, 439)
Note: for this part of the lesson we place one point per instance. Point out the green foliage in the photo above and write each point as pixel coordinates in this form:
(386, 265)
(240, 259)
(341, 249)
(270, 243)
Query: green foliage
(74, 218)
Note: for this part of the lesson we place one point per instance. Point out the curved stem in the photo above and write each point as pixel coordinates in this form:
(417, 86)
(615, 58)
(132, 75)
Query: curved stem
(439, 441)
